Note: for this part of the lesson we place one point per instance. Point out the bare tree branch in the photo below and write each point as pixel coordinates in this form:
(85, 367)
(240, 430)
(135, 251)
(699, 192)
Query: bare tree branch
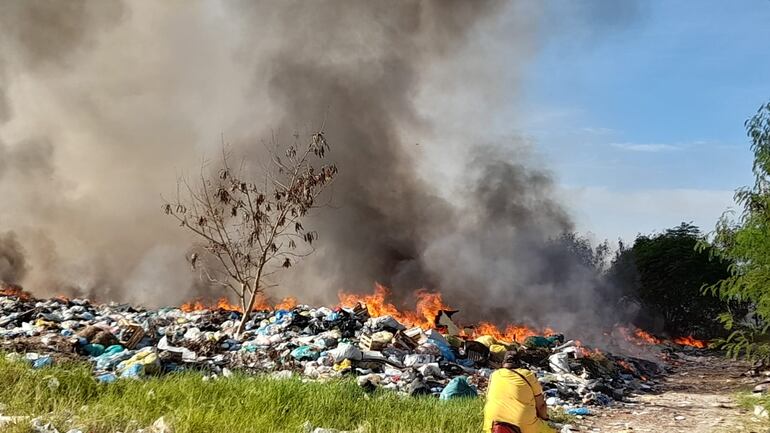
(254, 229)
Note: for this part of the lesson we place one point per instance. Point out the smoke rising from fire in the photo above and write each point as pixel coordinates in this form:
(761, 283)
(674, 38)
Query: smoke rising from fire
(12, 262)
(104, 103)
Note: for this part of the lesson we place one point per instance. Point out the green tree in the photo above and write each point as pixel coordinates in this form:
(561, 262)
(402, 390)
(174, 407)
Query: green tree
(622, 275)
(586, 254)
(746, 243)
(666, 274)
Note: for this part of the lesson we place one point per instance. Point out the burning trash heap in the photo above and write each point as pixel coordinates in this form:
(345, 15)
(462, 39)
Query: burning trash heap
(400, 352)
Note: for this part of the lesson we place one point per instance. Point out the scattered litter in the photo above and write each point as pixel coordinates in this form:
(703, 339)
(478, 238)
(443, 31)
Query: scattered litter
(458, 388)
(6, 420)
(125, 342)
(579, 411)
(161, 426)
(43, 361)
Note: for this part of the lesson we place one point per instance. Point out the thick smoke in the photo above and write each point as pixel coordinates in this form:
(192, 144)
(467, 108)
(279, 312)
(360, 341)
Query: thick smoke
(90, 136)
(103, 104)
(13, 265)
(386, 214)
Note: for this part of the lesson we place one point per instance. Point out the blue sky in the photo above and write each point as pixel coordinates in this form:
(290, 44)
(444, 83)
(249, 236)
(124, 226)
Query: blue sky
(641, 120)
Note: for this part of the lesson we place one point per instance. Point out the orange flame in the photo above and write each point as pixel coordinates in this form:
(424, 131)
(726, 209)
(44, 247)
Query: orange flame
(626, 366)
(585, 351)
(224, 304)
(286, 303)
(424, 315)
(690, 341)
(509, 334)
(428, 306)
(638, 336)
(261, 304)
(13, 290)
(646, 337)
(194, 305)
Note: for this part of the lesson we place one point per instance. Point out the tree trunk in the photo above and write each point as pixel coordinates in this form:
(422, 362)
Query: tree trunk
(247, 311)
(245, 315)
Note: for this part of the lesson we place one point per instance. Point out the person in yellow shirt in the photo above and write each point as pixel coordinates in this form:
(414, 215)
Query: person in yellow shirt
(515, 401)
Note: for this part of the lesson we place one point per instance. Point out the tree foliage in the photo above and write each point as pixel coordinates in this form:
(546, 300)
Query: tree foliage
(667, 273)
(746, 243)
(587, 255)
(250, 227)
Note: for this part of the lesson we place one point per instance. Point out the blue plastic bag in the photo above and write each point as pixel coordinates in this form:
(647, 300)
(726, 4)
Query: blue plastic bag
(93, 349)
(134, 371)
(112, 357)
(280, 315)
(107, 378)
(466, 362)
(305, 353)
(43, 361)
(445, 350)
(457, 388)
(579, 411)
(115, 348)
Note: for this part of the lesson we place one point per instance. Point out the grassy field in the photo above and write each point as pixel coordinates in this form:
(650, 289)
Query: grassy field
(68, 396)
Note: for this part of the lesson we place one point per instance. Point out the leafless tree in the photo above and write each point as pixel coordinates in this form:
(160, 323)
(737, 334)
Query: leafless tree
(251, 229)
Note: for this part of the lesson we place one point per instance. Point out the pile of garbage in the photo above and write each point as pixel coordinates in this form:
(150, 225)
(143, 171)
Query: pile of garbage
(125, 342)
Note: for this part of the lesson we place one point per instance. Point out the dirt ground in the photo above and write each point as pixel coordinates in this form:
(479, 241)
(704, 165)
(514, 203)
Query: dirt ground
(697, 397)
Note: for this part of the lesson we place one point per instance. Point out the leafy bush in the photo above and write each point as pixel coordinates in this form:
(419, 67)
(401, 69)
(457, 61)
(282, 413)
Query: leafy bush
(666, 273)
(746, 244)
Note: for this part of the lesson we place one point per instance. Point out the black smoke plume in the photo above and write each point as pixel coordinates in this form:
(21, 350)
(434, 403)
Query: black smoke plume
(104, 103)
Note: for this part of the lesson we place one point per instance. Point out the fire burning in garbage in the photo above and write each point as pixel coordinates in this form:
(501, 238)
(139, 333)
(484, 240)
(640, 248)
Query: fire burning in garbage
(421, 351)
(510, 333)
(626, 366)
(223, 304)
(646, 337)
(641, 338)
(13, 290)
(690, 341)
(586, 351)
(428, 308)
(637, 336)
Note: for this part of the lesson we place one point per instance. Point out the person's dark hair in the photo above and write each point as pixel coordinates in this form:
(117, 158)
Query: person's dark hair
(510, 360)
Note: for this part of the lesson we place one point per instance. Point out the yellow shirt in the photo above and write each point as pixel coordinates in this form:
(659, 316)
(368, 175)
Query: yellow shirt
(512, 400)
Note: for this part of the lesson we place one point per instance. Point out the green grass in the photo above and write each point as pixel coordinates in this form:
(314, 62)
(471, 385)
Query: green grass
(748, 400)
(749, 422)
(237, 404)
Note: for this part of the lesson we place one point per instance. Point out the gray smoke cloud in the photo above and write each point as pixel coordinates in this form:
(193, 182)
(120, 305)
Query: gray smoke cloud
(13, 265)
(363, 88)
(104, 103)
